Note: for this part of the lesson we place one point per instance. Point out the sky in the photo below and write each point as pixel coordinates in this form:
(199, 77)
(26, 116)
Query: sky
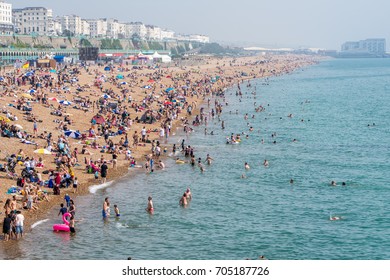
(263, 23)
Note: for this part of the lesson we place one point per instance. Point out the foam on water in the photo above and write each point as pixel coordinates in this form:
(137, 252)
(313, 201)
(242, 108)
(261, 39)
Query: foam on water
(93, 189)
(39, 223)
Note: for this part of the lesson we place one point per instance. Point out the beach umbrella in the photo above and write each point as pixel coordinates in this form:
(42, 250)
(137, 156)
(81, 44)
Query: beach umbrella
(119, 76)
(53, 99)
(168, 103)
(72, 134)
(28, 74)
(123, 83)
(151, 81)
(106, 96)
(65, 102)
(53, 71)
(107, 68)
(169, 89)
(18, 126)
(147, 87)
(31, 91)
(1, 79)
(2, 118)
(42, 151)
(26, 95)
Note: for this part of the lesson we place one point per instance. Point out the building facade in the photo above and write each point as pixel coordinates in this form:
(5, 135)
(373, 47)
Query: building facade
(368, 46)
(34, 20)
(6, 22)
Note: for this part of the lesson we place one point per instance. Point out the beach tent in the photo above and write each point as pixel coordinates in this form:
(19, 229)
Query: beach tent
(18, 126)
(26, 95)
(151, 81)
(65, 102)
(98, 119)
(123, 83)
(42, 151)
(166, 59)
(72, 134)
(53, 71)
(107, 68)
(53, 99)
(119, 76)
(147, 87)
(169, 89)
(106, 96)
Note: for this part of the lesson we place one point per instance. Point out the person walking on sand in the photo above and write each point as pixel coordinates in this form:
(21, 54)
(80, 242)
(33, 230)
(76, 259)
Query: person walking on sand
(35, 126)
(150, 208)
(103, 172)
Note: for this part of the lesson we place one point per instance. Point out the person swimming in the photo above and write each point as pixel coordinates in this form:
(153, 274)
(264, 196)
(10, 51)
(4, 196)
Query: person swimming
(116, 209)
(189, 194)
(266, 163)
(183, 200)
(150, 208)
(247, 167)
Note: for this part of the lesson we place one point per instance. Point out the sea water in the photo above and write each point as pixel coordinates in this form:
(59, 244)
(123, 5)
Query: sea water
(341, 121)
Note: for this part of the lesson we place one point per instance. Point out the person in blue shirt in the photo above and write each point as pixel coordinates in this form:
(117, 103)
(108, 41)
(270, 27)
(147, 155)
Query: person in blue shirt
(63, 210)
(67, 199)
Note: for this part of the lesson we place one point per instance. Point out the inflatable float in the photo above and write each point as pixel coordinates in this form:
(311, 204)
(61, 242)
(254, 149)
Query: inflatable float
(65, 226)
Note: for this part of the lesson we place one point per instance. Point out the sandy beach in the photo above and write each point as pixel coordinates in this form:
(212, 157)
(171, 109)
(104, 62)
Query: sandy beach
(121, 96)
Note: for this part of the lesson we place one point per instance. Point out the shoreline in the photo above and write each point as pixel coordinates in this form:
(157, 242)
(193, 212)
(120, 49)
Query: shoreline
(122, 167)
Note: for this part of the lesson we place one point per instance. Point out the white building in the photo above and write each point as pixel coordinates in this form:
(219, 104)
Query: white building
(167, 34)
(72, 24)
(153, 32)
(369, 46)
(193, 38)
(137, 28)
(97, 27)
(34, 20)
(6, 23)
(57, 26)
(85, 28)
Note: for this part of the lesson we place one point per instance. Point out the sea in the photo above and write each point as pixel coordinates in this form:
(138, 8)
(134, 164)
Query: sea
(341, 125)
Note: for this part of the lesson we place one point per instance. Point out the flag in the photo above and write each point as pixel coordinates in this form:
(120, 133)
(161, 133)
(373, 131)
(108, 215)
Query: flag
(26, 65)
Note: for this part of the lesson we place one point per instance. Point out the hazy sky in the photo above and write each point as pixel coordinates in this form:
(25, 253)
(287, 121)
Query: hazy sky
(277, 23)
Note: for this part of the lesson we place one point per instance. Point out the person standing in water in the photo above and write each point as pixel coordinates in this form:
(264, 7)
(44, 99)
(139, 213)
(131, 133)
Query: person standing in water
(209, 159)
(183, 200)
(150, 208)
(106, 205)
(71, 224)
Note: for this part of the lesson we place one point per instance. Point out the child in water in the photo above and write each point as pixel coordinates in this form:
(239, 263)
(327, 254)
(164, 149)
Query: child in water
(116, 209)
